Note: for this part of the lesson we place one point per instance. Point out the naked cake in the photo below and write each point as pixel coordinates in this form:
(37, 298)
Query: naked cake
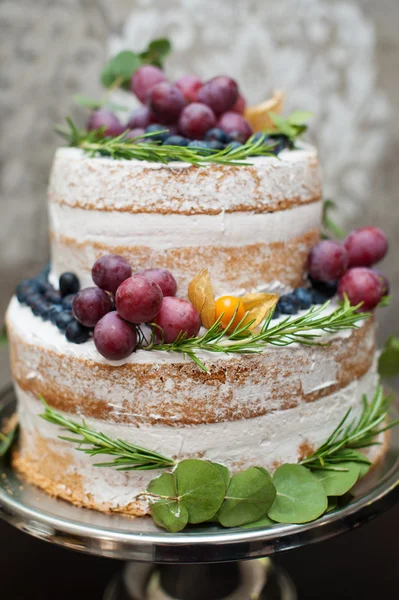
(245, 227)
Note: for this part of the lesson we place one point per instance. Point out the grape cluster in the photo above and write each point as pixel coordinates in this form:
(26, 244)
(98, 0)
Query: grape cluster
(347, 267)
(121, 301)
(189, 112)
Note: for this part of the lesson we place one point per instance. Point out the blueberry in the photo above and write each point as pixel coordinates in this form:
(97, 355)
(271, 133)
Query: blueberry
(53, 296)
(44, 309)
(215, 145)
(217, 135)
(25, 289)
(154, 129)
(280, 142)
(76, 333)
(327, 288)
(54, 312)
(176, 140)
(63, 319)
(276, 312)
(201, 145)
(257, 136)
(288, 304)
(69, 284)
(304, 297)
(67, 301)
(233, 145)
(318, 297)
(33, 298)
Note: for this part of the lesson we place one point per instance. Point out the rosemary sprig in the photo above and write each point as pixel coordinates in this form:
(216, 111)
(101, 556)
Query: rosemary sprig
(127, 456)
(350, 436)
(95, 144)
(305, 329)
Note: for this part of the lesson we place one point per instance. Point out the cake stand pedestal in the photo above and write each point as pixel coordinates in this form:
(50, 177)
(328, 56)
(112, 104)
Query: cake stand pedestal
(182, 566)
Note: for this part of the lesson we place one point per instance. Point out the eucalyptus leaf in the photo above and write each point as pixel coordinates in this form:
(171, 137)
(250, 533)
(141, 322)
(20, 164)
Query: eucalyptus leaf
(332, 504)
(283, 125)
(337, 483)
(164, 485)
(299, 117)
(300, 498)
(361, 460)
(169, 514)
(201, 489)
(122, 66)
(263, 522)
(388, 364)
(225, 473)
(249, 496)
(264, 471)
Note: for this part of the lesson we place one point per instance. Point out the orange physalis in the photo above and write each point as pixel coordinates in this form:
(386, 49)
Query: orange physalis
(227, 306)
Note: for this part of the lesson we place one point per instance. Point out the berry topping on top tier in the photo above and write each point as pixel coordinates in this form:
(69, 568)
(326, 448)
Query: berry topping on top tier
(166, 102)
(90, 305)
(144, 79)
(219, 93)
(196, 119)
(189, 86)
(361, 285)
(107, 120)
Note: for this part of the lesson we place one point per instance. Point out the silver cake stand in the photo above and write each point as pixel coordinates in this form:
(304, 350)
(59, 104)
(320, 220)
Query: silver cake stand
(192, 554)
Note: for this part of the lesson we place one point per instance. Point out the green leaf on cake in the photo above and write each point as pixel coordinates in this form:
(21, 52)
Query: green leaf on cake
(300, 497)
(299, 117)
(249, 496)
(263, 522)
(120, 69)
(338, 482)
(201, 489)
(167, 510)
(155, 53)
(330, 226)
(388, 364)
(225, 473)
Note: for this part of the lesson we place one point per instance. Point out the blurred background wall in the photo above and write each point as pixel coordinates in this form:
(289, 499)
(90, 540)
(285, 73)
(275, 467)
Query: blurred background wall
(338, 58)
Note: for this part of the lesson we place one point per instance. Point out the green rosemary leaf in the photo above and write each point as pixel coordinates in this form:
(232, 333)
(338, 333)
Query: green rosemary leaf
(127, 456)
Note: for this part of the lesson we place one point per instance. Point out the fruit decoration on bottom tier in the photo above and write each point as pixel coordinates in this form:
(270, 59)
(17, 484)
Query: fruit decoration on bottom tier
(125, 311)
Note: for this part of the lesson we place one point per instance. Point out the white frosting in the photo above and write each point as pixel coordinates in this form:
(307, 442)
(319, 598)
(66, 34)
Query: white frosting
(163, 232)
(266, 440)
(77, 180)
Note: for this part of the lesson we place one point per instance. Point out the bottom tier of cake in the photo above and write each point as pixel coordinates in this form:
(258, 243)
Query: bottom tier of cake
(268, 440)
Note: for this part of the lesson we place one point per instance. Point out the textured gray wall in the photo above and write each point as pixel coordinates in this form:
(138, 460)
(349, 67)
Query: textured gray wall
(339, 58)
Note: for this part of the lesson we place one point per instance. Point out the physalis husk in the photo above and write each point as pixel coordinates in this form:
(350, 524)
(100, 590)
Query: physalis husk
(201, 295)
(258, 305)
(258, 116)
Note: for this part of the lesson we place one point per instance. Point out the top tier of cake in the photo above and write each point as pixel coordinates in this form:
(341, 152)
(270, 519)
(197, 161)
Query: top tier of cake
(252, 226)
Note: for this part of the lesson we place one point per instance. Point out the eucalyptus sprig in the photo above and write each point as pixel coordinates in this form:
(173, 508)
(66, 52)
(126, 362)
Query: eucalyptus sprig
(127, 456)
(293, 126)
(143, 147)
(305, 329)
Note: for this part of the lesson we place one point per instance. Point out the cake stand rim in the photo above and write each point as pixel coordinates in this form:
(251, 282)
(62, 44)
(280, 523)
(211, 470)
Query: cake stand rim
(191, 547)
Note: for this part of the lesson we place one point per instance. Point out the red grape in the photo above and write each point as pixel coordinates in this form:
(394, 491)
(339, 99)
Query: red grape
(239, 105)
(90, 305)
(138, 299)
(232, 121)
(220, 93)
(361, 284)
(189, 86)
(177, 315)
(163, 278)
(141, 117)
(327, 261)
(135, 133)
(144, 79)
(166, 102)
(195, 120)
(384, 281)
(105, 118)
(114, 338)
(366, 246)
(109, 271)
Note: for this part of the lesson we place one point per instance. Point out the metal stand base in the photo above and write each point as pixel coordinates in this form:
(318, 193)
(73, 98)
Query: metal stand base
(255, 580)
